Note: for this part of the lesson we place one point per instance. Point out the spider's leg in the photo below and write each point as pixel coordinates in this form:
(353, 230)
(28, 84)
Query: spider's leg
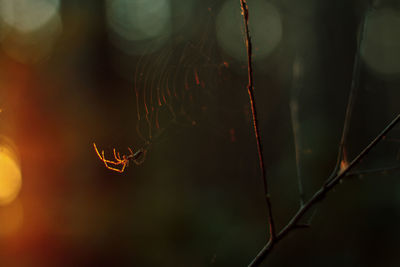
(115, 169)
(118, 161)
(103, 158)
(97, 152)
(109, 161)
(123, 167)
(130, 151)
(117, 158)
(125, 160)
(112, 168)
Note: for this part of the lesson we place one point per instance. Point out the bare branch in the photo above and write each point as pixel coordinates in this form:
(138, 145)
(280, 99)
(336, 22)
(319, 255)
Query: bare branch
(321, 194)
(383, 170)
(294, 115)
(250, 90)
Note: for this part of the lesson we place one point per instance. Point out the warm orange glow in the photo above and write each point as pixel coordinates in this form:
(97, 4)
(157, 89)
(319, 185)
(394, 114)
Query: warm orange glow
(11, 219)
(343, 165)
(10, 176)
(344, 162)
(196, 75)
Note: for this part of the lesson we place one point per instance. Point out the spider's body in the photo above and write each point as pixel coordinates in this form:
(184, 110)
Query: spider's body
(120, 163)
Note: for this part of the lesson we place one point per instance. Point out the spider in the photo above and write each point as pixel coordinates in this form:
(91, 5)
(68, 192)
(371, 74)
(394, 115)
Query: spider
(119, 164)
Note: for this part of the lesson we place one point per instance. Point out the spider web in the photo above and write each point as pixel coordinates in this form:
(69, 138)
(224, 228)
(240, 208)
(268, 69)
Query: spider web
(184, 84)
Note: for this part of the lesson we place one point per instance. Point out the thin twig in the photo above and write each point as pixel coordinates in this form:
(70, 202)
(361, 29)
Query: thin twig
(250, 90)
(342, 161)
(383, 170)
(294, 115)
(320, 195)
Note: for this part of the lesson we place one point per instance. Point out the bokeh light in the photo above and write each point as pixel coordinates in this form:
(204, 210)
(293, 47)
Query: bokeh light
(381, 50)
(28, 15)
(10, 174)
(265, 28)
(29, 28)
(133, 21)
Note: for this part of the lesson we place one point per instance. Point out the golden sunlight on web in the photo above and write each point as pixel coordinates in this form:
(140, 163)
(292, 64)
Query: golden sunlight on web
(10, 176)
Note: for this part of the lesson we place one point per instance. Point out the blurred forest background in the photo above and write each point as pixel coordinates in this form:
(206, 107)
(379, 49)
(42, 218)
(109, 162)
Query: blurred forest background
(69, 75)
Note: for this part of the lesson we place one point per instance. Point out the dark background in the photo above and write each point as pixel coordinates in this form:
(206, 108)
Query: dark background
(197, 200)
